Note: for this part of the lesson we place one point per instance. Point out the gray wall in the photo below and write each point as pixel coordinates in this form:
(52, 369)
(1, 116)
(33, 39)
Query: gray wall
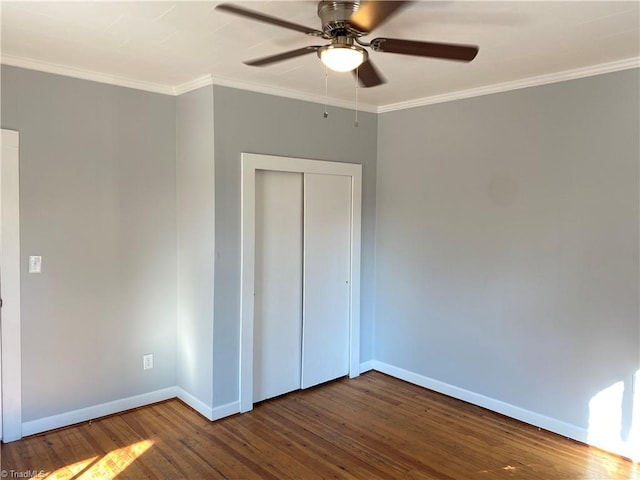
(195, 205)
(257, 123)
(502, 235)
(507, 243)
(97, 201)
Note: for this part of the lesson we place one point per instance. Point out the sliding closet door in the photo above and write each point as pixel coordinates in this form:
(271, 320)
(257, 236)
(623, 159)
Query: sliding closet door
(327, 265)
(278, 284)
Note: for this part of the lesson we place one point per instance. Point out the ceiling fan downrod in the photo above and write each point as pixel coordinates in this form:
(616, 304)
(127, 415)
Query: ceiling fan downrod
(335, 18)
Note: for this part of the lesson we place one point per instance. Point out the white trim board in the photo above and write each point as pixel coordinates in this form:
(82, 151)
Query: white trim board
(205, 80)
(562, 76)
(10, 274)
(211, 414)
(96, 411)
(527, 416)
(250, 163)
(198, 405)
(179, 89)
(83, 74)
(366, 366)
(226, 410)
(118, 406)
(196, 83)
(73, 417)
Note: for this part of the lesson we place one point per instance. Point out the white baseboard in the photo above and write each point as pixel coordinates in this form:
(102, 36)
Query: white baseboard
(199, 406)
(84, 414)
(225, 410)
(366, 366)
(527, 416)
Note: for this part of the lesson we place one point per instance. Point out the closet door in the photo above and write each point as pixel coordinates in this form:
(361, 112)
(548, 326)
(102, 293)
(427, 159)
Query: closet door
(278, 284)
(327, 266)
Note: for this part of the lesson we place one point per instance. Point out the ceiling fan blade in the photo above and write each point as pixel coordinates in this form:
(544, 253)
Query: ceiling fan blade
(368, 75)
(449, 51)
(243, 12)
(259, 62)
(371, 14)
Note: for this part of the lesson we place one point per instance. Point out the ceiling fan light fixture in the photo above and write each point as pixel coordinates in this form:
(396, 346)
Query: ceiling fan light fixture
(342, 58)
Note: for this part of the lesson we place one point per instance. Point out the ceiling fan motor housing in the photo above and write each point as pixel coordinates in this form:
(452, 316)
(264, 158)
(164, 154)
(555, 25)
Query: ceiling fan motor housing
(335, 16)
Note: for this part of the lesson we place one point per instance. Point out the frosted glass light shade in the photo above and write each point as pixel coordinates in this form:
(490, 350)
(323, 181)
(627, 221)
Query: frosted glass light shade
(342, 58)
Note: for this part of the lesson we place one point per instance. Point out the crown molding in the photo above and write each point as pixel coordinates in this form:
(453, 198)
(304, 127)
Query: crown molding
(562, 76)
(68, 71)
(196, 83)
(205, 80)
(179, 89)
(269, 90)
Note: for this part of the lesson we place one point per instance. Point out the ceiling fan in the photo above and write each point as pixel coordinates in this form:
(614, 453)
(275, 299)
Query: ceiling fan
(344, 23)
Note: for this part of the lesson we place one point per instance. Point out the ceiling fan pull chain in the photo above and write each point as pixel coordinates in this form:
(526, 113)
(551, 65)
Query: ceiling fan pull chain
(326, 83)
(356, 124)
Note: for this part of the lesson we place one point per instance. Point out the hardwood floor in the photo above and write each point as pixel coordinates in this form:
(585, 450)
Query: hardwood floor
(371, 427)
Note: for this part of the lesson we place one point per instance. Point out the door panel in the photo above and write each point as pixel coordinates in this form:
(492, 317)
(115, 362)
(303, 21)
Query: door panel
(278, 284)
(327, 265)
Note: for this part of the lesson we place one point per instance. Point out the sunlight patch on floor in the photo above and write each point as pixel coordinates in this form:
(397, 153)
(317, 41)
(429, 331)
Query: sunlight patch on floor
(70, 471)
(510, 469)
(103, 468)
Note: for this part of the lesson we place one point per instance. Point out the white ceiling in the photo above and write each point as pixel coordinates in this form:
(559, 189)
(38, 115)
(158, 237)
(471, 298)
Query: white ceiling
(170, 46)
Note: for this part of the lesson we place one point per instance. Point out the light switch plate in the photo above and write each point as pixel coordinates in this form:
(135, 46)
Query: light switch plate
(35, 264)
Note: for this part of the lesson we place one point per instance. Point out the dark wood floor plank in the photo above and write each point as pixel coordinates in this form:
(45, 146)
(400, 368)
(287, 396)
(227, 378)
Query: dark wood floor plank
(368, 438)
(370, 427)
(322, 443)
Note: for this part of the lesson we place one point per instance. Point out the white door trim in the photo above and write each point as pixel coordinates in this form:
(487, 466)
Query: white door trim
(10, 279)
(250, 163)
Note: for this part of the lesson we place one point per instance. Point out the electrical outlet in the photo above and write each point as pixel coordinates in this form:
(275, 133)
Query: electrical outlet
(147, 361)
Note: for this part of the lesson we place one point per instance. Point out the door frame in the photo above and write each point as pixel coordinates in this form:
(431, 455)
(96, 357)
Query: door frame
(11, 386)
(250, 163)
